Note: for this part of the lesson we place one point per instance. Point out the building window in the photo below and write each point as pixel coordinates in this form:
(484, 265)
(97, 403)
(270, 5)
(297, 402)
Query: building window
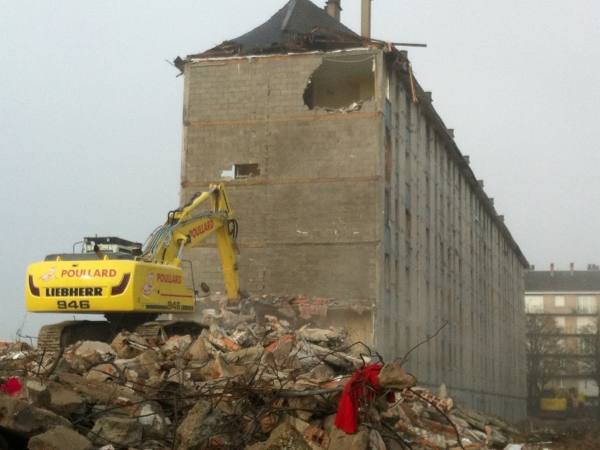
(534, 303)
(241, 172)
(586, 304)
(585, 346)
(586, 325)
(559, 301)
(560, 322)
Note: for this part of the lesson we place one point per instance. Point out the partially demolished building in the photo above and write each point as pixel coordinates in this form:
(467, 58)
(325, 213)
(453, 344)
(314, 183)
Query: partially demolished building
(348, 187)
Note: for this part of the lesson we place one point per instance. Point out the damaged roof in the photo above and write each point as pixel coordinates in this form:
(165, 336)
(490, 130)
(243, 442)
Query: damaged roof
(562, 281)
(298, 23)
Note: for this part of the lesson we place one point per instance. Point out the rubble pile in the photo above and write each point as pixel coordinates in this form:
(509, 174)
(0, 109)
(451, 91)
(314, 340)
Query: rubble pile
(241, 383)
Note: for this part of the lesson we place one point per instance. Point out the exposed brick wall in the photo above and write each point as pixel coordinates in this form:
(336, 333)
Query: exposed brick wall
(341, 271)
(339, 146)
(304, 221)
(257, 88)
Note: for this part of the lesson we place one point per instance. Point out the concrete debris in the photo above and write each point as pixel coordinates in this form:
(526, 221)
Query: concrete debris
(116, 431)
(284, 437)
(26, 420)
(246, 381)
(198, 427)
(60, 438)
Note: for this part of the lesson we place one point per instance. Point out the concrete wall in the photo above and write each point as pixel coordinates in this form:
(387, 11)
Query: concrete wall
(369, 207)
(447, 262)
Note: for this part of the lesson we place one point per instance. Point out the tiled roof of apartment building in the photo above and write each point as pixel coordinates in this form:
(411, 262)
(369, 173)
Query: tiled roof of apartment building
(563, 281)
(285, 30)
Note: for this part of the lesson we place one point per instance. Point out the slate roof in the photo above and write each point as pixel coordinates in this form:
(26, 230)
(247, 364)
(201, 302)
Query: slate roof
(297, 19)
(562, 281)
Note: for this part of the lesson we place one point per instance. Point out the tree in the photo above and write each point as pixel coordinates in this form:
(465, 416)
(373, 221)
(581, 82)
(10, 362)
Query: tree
(544, 354)
(589, 347)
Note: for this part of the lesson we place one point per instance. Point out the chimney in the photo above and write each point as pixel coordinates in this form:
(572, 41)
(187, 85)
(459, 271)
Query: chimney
(572, 269)
(532, 268)
(365, 18)
(334, 9)
(551, 269)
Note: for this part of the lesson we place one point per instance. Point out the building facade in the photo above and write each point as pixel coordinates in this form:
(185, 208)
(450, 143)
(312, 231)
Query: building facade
(348, 186)
(570, 299)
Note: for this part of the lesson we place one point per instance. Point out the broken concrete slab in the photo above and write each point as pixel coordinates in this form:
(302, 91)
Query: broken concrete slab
(177, 344)
(154, 423)
(339, 440)
(284, 437)
(24, 419)
(35, 393)
(96, 391)
(103, 349)
(198, 350)
(393, 377)
(63, 401)
(103, 372)
(124, 345)
(198, 426)
(115, 430)
(60, 438)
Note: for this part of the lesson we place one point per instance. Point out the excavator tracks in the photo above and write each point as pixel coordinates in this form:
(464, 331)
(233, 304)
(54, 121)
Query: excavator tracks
(60, 335)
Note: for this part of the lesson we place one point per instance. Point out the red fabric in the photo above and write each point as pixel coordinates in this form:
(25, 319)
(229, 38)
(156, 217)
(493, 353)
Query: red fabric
(12, 387)
(354, 391)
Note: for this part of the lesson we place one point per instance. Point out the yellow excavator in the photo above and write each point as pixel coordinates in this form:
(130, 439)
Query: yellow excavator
(132, 285)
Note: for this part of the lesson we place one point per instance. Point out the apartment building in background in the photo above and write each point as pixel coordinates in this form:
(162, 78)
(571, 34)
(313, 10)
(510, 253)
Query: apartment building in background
(570, 299)
(348, 186)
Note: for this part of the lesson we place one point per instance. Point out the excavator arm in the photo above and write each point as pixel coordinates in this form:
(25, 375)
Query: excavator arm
(185, 228)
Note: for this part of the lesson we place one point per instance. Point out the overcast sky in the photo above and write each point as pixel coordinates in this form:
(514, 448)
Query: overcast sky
(90, 115)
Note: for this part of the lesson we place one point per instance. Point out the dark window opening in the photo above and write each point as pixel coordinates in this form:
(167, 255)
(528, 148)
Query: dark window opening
(246, 170)
(388, 157)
